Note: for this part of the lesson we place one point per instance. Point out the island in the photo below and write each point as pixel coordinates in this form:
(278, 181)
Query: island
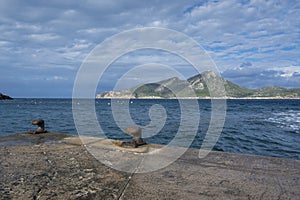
(5, 97)
(198, 83)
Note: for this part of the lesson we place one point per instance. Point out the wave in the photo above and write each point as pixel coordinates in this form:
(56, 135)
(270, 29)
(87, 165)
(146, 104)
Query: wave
(289, 120)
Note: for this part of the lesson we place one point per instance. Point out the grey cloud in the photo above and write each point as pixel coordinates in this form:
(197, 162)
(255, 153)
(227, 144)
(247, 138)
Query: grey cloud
(254, 77)
(296, 74)
(57, 35)
(246, 64)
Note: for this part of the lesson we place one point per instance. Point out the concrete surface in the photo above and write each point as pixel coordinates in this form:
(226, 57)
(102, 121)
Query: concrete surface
(57, 166)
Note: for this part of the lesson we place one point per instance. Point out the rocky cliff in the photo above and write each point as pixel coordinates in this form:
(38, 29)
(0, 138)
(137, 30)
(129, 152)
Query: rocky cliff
(4, 97)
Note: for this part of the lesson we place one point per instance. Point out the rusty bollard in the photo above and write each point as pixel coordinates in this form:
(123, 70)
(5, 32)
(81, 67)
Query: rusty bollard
(136, 133)
(41, 126)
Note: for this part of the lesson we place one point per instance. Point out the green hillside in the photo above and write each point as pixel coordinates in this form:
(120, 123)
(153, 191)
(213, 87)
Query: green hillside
(197, 85)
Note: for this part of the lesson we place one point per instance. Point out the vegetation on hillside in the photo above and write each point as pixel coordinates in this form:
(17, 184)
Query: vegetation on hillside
(173, 87)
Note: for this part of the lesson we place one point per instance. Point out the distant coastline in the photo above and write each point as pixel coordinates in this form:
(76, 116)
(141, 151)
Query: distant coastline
(157, 97)
(5, 97)
(198, 84)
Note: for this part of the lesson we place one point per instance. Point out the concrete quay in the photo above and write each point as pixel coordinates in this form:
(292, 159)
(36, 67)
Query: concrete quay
(60, 166)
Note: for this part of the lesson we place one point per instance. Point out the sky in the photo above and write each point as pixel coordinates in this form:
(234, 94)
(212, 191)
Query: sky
(44, 43)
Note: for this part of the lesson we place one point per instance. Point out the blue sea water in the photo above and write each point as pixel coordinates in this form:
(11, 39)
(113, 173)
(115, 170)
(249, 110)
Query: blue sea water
(261, 127)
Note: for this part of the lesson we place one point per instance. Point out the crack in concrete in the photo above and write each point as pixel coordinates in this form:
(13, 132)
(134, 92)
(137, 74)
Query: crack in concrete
(123, 189)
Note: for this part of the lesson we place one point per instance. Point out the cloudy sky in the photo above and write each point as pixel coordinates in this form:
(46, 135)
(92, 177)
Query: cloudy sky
(43, 43)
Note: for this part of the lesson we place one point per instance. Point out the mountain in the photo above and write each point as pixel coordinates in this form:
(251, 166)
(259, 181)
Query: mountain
(201, 85)
(4, 97)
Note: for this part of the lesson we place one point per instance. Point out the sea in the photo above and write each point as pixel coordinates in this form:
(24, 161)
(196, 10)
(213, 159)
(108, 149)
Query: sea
(269, 127)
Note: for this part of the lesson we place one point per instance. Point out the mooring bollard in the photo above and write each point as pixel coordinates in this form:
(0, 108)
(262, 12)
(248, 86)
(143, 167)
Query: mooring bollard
(41, 126)
(136, 133)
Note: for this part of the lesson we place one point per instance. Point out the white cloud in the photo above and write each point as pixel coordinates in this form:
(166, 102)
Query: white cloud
(43, 37)
(47, 35)
(288, 71)
(246, 30)
(56, 78)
